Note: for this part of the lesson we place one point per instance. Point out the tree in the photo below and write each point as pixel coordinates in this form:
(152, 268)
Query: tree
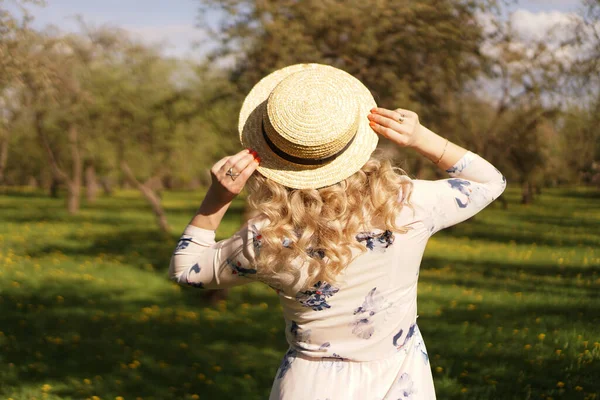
(414, 54)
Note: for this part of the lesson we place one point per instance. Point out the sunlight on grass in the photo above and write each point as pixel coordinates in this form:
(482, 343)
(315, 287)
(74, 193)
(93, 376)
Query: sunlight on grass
(508, 305)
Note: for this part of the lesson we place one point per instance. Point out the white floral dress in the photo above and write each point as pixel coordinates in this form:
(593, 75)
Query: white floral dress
(357, 338)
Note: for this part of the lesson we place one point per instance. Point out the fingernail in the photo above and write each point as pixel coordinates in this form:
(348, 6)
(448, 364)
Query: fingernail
(372, 124)
(257, 159)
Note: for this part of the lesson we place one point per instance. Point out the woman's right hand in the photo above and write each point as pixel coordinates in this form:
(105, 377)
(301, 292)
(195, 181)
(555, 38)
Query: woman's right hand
(400, 126)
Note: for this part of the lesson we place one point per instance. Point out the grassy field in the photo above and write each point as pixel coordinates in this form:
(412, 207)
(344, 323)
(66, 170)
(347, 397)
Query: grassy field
(509, 305)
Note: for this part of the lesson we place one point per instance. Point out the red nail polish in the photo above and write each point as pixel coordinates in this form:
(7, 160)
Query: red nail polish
(257, 159)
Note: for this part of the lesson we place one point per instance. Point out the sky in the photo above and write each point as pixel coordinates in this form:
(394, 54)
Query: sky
(173, 22)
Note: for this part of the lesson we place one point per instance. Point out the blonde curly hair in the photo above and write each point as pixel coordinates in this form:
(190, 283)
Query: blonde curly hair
(319, 226)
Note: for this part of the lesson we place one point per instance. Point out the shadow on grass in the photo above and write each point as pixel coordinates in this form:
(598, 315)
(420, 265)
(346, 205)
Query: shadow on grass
(155, 350)
(526, 278)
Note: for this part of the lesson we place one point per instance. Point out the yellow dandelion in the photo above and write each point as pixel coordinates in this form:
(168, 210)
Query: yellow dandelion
(87, 381)
(578, 388)
(560, 384)
(217, 368)
(201, 377)
(471, 307)
(541, 336)
(195, 397)
(119, 398)
(246, 376)
(527, 346)
(46, 388)
(95, 398)
(439, 369)
(558, 351)
(464, 390)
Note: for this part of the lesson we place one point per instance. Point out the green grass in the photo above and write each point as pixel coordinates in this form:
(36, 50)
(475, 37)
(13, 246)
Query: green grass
(509, 305)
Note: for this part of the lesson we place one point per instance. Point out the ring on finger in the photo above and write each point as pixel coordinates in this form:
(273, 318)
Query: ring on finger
(231, 174)
(401, 118)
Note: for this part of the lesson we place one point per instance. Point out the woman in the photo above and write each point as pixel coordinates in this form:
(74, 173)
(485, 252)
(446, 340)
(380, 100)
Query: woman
(338, 234)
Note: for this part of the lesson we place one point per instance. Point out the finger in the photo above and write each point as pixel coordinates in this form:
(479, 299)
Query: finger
(219, 164)
(384, 131)
(385, 121)
(234, 159)
(248, 171)
(243, 163)
(395, 114)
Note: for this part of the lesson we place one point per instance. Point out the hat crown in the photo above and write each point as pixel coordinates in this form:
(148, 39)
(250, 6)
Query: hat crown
(311, 116)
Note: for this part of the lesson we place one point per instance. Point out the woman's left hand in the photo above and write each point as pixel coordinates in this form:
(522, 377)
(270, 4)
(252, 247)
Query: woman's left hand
(230, 174)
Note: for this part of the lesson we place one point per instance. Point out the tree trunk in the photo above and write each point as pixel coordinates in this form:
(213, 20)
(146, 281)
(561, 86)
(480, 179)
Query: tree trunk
(91, 183)
(54, 186)
(3, 156)
(73, 192)
(74, 184)
(526, 193)
(106, 185)
(149, 195)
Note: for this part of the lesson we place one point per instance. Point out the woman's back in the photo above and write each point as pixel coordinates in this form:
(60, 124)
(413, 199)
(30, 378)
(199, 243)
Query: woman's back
(369, 314)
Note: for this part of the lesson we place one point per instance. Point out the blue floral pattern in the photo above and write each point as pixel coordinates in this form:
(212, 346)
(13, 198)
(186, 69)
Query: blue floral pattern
(335, 362)
(403, 388)
(419, 345)
(463, 163)
(256, 239)
(317, 298)
(236, 268)
(196, 269)
(183, 243)
(286, 363)
(471, 193)
(363, 325)
(380, 241)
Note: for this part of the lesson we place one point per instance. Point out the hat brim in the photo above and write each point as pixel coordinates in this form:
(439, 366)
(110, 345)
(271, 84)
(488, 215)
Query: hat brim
(299, 176)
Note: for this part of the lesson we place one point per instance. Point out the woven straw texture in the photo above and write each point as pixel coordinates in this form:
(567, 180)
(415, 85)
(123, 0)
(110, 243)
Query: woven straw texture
(310, 111)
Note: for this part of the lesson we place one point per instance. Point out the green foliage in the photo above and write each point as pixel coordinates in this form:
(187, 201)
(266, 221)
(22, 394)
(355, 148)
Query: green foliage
(507, 305)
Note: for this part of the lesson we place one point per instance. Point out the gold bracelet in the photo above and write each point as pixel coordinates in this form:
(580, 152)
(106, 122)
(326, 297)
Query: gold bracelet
(443, 152)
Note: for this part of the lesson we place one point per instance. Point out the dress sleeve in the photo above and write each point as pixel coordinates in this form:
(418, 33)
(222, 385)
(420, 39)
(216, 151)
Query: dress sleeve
(201, 262)
(473, 185)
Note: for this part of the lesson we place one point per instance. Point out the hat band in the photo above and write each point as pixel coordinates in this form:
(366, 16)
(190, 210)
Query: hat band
(299, 160)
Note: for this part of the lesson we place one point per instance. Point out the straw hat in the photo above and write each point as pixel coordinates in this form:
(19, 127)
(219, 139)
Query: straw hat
(308, 123)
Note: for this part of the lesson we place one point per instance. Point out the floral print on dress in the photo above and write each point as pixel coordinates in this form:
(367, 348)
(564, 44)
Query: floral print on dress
(237, 269)
(473, 193)
(363, 325)
(403, 389)
(463, 163)
(256, 239)
(286, 363)
(196, 269)
(317, 298)
(183, 243)
(334, 362)
(419, 345)
(379, 241)
(299, 334)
